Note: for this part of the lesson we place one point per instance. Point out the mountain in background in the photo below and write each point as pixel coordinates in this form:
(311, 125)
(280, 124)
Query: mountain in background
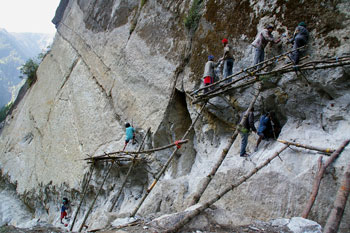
(15, 49)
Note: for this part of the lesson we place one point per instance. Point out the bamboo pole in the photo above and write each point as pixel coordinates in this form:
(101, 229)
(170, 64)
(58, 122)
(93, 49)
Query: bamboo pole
(247, 83)
(274, 58)
(286, 69)
(224, 152)
(336, 214)
(217, 197)
(303, 68)
(319, 177)
(93, 202)
(324, 150)
(165, 166)
(180, 142)
(128, 173)
(83, 197)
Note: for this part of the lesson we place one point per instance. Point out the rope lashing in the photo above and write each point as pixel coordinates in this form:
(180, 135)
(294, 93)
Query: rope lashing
(177, 143)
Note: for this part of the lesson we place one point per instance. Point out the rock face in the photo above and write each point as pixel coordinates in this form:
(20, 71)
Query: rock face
(118, 61)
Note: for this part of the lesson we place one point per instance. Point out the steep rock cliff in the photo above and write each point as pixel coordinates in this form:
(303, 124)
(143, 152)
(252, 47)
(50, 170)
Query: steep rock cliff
(118, 61)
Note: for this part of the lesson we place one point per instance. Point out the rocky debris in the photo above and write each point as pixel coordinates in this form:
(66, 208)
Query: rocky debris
(293, 225)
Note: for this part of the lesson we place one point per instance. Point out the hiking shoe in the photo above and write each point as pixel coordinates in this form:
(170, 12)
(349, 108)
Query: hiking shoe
(256, 149)
(244, 155)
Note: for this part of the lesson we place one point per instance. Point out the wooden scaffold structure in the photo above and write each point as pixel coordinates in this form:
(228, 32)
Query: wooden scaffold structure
(244, 78)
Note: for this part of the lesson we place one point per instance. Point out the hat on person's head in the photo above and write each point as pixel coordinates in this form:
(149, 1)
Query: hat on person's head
(210, 57)
(224, 41)
(302, 24)
(270, 26)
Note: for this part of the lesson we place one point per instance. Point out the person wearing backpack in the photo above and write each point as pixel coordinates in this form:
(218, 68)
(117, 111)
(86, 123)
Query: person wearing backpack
(300, 38)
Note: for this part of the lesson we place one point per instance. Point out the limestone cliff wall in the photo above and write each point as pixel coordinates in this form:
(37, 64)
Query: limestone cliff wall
(117, 61)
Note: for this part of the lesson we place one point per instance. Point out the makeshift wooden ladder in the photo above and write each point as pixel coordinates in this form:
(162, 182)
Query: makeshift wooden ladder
(128, 173)
(203, 206)
(165, 166)
(336, 214)
(83, 197)
(224, 152)
(98, 193)
(318, 178)
(126, 155)
(312, 65)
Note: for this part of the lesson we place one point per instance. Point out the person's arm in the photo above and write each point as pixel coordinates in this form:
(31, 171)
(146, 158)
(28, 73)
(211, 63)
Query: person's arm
(269, 37)
(296, 31)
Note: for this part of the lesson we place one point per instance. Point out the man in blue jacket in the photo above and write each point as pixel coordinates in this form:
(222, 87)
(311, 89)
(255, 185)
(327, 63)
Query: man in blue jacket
(265, 129)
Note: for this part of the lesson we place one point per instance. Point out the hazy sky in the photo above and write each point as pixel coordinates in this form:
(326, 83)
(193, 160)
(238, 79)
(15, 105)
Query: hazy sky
(28, 15)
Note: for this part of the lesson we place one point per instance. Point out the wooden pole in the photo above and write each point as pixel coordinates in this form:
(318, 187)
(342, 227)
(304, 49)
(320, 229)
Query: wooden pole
(83, 197)
(227, 87)
(254, 67)
(93, 202)
(319, 177)
(303, 67)
(165, 166)
(207, 97)
(217, 197)
(107, 155)
(128, 173)
(336, 214)
(224, 152)
(324, 150)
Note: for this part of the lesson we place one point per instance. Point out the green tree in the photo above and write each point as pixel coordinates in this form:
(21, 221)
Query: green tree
(29, 70)
(4, 111)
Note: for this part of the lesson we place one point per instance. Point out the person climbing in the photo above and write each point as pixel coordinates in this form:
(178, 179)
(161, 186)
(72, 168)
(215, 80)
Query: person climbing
(300, 38)
(129, 134)
(260, 42)
(265, 129)
(248, 125)
(228, 59)
(208, 75)
(65, 207)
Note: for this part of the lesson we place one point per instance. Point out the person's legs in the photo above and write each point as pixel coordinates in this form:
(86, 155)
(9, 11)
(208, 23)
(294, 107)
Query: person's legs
(298, 42)
(225, 69)
(259, 57)
(261, 136)
(244, 143)
(229, 69)
(126, 143)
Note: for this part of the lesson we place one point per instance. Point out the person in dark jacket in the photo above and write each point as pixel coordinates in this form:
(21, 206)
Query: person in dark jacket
(248, 125)
(265, 129)
(300, 38)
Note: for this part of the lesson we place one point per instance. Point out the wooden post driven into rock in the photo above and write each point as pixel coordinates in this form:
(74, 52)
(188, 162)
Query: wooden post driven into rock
(218, 196)
(93, 202)
(318, 178)
(336, 214)
(166, 165)
(224, 152)
(83, 197)
(324, 150)
(128, 173)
